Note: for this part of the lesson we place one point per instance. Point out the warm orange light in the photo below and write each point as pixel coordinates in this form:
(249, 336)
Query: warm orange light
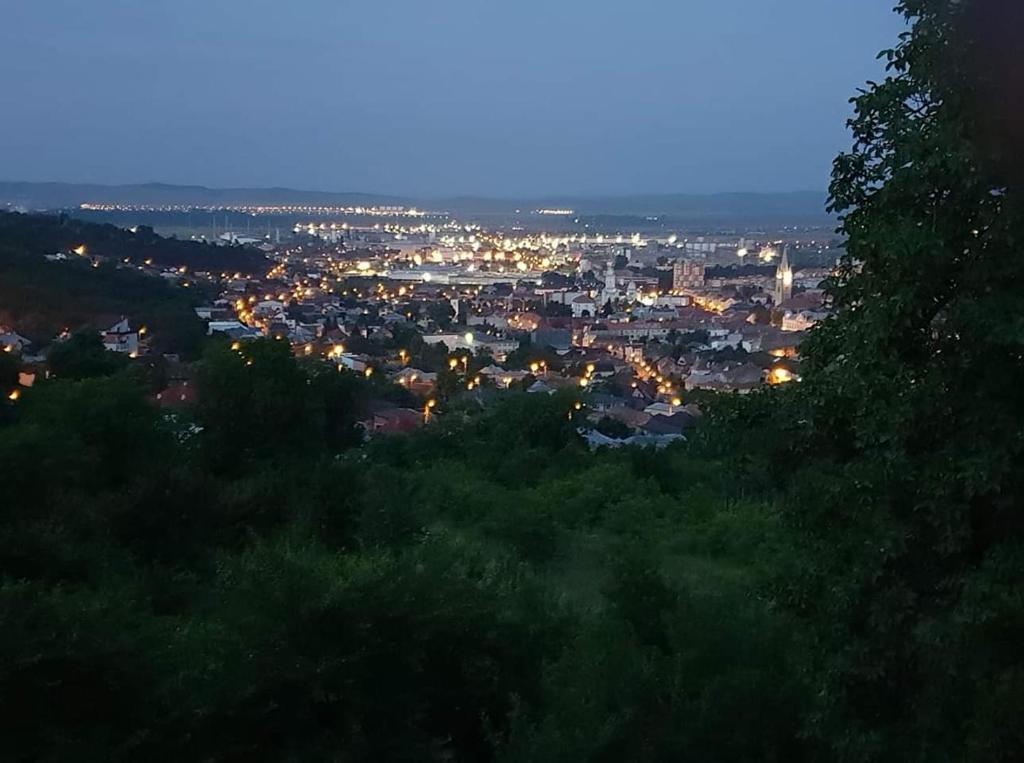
(781, 375)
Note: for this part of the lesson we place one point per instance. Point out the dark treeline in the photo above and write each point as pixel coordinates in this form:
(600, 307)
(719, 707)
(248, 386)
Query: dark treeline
(250, 581)
(827, 571)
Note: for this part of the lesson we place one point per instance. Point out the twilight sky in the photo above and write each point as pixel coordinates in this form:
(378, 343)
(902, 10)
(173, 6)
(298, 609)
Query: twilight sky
(436, 97)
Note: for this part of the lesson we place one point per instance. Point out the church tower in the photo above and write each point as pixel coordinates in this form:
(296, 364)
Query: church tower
(611, 291)
(783, 279)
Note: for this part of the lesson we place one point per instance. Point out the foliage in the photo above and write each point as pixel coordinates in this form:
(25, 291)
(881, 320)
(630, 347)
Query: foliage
(83, 355)
(241, 581)
(904, 444)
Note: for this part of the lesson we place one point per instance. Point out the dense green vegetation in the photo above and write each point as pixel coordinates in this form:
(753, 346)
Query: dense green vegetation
(245, 582)
(831, 571)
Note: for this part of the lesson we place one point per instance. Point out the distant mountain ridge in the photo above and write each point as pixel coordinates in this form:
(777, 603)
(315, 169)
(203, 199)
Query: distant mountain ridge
(62, 195)
(798, 205)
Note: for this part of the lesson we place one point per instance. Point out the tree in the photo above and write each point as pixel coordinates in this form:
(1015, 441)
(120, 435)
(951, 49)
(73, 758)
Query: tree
(909, 506)
(441, 313)
(613, 428)
(8, 371)
(83, 356)
(255, 402)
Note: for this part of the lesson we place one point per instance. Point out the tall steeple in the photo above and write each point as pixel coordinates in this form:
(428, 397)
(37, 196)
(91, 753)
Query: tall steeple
(783, 278)
(610, 292)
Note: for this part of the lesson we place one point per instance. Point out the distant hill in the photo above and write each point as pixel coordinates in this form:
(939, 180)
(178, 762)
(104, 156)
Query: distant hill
(799, 206)
(65, 195)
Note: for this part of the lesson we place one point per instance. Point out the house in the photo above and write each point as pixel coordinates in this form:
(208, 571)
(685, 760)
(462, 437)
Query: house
(737, 377)
(744, 377)
(416, 381)
(498, 348)
(558, 339)
(628, 416)
(602, 402)
(121, 338)
(354, 362)
(11, 341)
(540, 386)
(408, 375)
(395, 421)
(802, 320)
(675, 424)
(502, 377)
(212, 312)
(583, 306)
(223, 326)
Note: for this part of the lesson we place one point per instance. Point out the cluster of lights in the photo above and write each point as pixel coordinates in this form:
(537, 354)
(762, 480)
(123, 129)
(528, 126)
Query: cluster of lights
(273, 209)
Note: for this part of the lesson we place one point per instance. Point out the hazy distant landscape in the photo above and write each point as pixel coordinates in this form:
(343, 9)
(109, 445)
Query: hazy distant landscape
(793, 208)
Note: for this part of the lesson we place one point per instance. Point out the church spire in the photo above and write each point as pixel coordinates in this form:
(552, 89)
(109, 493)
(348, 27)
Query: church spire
(783, 278)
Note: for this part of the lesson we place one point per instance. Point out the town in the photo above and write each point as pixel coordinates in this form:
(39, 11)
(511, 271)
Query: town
(640, 326)
(512, 383)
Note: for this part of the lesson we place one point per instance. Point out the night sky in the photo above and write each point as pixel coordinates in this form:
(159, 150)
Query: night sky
(436, 97)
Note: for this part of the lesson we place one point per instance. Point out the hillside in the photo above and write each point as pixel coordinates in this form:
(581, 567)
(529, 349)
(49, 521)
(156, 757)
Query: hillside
(41, 298)
(46, 234)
